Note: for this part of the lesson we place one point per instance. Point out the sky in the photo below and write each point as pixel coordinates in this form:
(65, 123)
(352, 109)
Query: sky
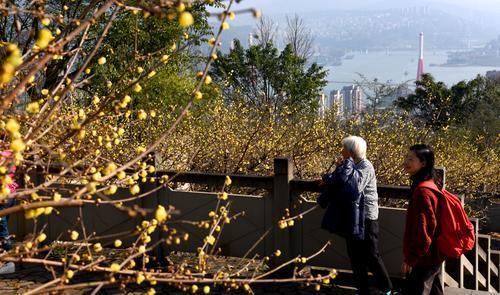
(286, 6)
(489, 9)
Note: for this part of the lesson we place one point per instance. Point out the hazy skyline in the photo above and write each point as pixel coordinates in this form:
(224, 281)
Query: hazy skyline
(287, 6)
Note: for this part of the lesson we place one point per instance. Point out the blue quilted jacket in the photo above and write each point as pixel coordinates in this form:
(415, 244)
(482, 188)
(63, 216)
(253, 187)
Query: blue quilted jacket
(343, 201)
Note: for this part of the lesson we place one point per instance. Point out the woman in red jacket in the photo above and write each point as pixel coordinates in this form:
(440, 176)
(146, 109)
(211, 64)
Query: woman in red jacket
(422, 261)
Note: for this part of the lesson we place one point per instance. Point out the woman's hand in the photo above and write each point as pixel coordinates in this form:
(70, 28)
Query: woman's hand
(405, 268)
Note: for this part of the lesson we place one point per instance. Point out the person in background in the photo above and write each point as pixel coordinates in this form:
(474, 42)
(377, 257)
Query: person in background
(5, 242)
(422, 260)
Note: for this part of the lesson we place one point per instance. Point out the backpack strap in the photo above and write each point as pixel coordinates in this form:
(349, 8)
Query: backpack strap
(431, 185)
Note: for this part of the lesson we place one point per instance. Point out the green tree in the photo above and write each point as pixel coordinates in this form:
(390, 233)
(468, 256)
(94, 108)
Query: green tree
(431, 102)
(261, 76)
(439, 106)
(131, 42)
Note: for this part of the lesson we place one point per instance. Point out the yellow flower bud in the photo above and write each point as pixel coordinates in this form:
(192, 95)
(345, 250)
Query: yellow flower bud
(44, 38)
(70, 274)
(186, 19)
(198, 95)
(161, 214)
(137, 87)
(17, 145)
(118, 243)
(33, 107)
(74, 235)
(41, 237)
(134, 190)
(140, 278)
(115, 267)
(97, 247)
(12, 126)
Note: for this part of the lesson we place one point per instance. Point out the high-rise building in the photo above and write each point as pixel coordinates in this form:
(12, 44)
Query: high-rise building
(352, 99)
(337, 101)
(323, 104)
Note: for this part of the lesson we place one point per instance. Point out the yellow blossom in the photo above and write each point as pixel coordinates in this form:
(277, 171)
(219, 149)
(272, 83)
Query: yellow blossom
(33, 107)
(12, 126)
(198, 95)
(186, 19)
(223, 196)
(57, 197)
(74, 235)
(134, 190)
(70, 274)
(118, 243)
(208, 80)
(140, 278)
(137, 87)
(115, 267)
(17, 145)
(41, 237)
(161, 214)
(44, 38)
(121, 175)
(97, 247)
(110, 168)
(225, 26)
(101, 60)
(181, 7)
(111, 190)
(210, 239)
(142, 115)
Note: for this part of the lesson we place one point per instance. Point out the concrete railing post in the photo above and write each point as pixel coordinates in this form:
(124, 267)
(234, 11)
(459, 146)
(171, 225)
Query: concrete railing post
(283, 174)
(151, 201)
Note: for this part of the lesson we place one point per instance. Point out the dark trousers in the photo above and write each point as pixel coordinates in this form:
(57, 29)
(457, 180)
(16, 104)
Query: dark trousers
(5, 242)
(364, 256)
(424, 280)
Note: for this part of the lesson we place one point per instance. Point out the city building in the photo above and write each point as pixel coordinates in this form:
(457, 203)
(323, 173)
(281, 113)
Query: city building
(337, 101)
(324, 104)
(353, 96)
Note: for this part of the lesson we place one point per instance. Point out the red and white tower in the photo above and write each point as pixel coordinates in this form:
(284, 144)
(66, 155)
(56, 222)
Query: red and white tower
(420, 70)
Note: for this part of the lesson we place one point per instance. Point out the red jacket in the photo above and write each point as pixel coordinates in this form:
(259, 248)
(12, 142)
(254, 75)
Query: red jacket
(419, 245)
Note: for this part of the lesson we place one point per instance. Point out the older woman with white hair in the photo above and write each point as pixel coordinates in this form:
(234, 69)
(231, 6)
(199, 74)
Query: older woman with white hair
(351, 199)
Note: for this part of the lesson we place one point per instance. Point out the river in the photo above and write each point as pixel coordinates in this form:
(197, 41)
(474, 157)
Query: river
(398, 67)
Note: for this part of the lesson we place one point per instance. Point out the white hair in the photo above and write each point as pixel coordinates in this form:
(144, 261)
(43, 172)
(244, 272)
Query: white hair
(356, 145)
